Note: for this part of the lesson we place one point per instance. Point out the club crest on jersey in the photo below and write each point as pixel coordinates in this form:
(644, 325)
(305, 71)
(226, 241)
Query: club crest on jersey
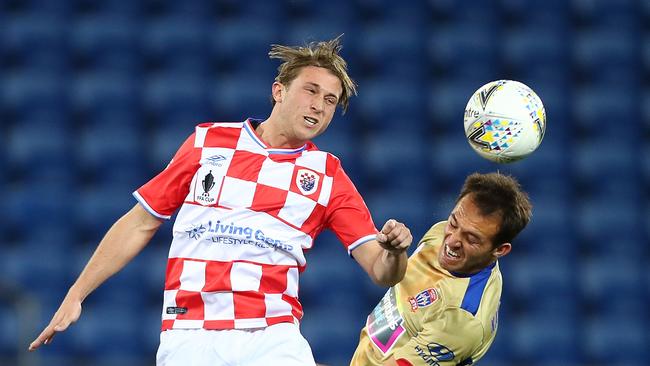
(423, 299)
(307, 181)
(207, 184)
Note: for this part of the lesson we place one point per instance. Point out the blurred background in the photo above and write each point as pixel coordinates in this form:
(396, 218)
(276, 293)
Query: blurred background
(96, 96)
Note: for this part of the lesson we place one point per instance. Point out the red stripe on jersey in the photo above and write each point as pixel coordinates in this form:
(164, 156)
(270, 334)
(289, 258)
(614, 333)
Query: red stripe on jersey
(167, 324)
(314, 223)
(268, 199)
(274, 279)
(279, 319)
(249, 304)
(245, 165)
(296, 307)
(332, 164)
(193, 302)
(217, 276)
(173, 274)
(226, 137)
(219, 324)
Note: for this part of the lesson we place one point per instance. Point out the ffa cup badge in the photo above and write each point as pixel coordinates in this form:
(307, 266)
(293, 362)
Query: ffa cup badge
(207, 184)
(307, 181)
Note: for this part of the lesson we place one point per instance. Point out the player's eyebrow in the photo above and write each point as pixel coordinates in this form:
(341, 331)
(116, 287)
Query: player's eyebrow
(471, 232)
(327, 94)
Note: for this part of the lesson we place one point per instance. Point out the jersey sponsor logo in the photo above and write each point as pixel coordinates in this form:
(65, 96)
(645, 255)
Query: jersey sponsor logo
(231, 234)
(196, 231)
(384, 324)
(307, 181)
(434, 353)
(207, 184)
(216, 160)
(423, 299)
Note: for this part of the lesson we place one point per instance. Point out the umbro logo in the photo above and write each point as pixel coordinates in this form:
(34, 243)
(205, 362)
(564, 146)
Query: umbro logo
(216, 160)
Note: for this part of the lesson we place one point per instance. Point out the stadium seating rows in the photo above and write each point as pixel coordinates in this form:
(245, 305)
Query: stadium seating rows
(96, 97)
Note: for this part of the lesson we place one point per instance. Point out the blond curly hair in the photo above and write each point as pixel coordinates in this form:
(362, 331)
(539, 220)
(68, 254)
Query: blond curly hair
(323, 54)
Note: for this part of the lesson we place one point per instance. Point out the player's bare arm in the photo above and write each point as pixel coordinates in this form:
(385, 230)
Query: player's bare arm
(123, 241)
(384, 259)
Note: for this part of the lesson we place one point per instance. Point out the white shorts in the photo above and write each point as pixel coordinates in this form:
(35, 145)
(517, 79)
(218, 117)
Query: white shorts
(279, 344)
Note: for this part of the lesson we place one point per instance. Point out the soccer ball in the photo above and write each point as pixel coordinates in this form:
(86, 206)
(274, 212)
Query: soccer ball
(505, 121)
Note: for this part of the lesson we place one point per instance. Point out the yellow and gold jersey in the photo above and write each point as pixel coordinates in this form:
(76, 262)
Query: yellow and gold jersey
(432, 317)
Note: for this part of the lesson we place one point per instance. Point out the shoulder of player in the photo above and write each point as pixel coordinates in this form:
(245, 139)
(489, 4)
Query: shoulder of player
(471, 293)
(210, 125)
(434, 235)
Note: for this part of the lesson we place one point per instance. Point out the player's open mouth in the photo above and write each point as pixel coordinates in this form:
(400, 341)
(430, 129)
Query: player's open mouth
(451, 253)
(311, 121)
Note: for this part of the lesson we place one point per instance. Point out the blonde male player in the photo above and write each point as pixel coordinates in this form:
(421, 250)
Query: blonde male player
(444, 311)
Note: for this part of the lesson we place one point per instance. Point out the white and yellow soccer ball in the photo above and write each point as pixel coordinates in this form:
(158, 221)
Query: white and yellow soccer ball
(505, 121)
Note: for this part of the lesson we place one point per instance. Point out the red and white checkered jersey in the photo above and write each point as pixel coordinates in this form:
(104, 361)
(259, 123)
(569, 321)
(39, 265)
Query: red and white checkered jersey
(248, 213)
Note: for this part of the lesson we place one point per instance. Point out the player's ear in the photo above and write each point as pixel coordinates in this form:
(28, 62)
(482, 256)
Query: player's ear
(502, 250)
(277, 90)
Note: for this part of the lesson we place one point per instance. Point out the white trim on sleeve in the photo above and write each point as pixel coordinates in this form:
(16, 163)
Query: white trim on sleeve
(360, 242)
(146, 206)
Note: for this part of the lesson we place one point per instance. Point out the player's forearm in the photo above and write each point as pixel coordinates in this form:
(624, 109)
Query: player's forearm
(389, 267)
(123, 241)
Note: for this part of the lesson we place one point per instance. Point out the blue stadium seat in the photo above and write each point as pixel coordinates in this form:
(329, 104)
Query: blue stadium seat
(242, 46)
(544, 338)
(605, 13)
(547, 14)
(107, 41)
(371, 10)
(453, 158)
(332, 342)
(627, 337)
(549, 233)
(177, 43)
(242, 95)
(601, 156)
(101, 204)
(103, 149)
(598, 280)
(108, 331)
(108, 98)
(402, 155)
(251, 11)
(595, 217)
(37, 40)
(536, 279)
(536, 51)
(39, 153)
(608, 55)
(468, 51)
(39, 266)
(177, 98)
(392, 49)
(389, 98)
(36, 96)
(331, 271)
(596, 110)
(417, 209)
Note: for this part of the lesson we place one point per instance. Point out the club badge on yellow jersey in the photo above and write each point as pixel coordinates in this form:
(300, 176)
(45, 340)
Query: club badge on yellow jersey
(424, 299)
